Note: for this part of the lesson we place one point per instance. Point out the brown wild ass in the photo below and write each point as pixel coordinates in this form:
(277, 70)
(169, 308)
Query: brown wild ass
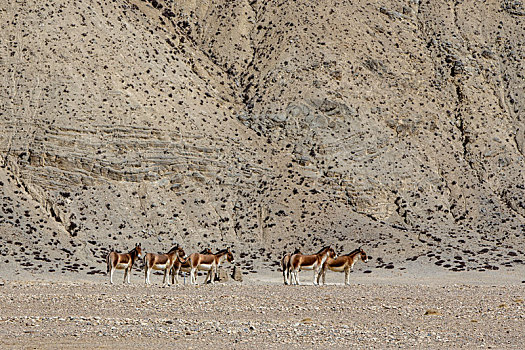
(208, 262)
(183, 265)
(285, 265)
(313, 262)
(123, 261)
(343, 263)
(162, 262)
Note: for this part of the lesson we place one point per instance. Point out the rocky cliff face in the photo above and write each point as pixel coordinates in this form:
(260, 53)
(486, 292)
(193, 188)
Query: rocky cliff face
(265, 125)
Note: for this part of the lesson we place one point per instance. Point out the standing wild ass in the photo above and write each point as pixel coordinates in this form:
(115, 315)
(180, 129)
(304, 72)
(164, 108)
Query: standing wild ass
(313, 262)
(162, 262)
(123, 261)
(183, 265)
(208, 262)
(285, 265)
(343, 263)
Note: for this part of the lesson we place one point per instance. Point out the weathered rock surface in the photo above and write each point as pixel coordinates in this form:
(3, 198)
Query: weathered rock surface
(262, 125)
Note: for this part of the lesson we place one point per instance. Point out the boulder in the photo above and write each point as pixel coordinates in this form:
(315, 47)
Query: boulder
(222, 275)
(237, 274)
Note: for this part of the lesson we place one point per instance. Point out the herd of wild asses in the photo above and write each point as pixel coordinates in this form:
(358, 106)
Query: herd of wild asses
(175, 261)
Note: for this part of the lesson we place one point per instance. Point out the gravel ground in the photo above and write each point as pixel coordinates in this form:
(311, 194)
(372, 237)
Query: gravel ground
(40, 314)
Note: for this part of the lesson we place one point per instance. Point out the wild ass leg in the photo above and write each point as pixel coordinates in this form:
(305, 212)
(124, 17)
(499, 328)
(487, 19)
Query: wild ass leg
(166, 277)
(129, 274)
(297, 277)
(111, 275)
(192, 276)
(292, 276)
(286, 275)
(321, 274)
(149, 275)
(175, 276)
(347, 277)
(147, 271)
(316, 273)
(289, 274)
(209, 277)
(214, 274)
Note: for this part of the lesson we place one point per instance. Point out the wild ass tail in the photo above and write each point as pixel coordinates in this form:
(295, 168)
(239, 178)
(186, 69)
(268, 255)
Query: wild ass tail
(144, 263)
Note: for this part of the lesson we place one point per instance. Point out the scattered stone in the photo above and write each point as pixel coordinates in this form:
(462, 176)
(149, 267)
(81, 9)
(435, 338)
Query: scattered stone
(237, 274)
(222, 275)
(432, 312)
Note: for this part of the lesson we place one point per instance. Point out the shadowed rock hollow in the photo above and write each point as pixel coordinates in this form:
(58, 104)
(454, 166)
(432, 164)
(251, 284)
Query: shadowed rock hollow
(265, 125)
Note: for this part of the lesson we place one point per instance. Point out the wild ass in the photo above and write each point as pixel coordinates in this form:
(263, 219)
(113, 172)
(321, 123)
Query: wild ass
(313, 262)
(122, 261)
(285, 266)
(162, 262)
(208, 262)
(183, 265)
(343, 263)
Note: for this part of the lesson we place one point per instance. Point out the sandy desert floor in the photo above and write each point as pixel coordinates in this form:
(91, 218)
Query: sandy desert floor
(419, 308)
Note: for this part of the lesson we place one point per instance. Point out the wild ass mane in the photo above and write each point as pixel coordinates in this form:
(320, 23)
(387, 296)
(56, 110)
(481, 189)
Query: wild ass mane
(325, 248)
(355, 251)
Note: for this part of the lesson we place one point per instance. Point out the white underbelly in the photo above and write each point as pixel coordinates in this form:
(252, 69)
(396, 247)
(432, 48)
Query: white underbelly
(337, 269)
(121, 266)
(204, 267)
(308, 267)
(159, 266)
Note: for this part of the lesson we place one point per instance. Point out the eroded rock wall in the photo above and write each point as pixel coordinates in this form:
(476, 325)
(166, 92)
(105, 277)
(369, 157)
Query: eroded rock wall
(266, 126)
